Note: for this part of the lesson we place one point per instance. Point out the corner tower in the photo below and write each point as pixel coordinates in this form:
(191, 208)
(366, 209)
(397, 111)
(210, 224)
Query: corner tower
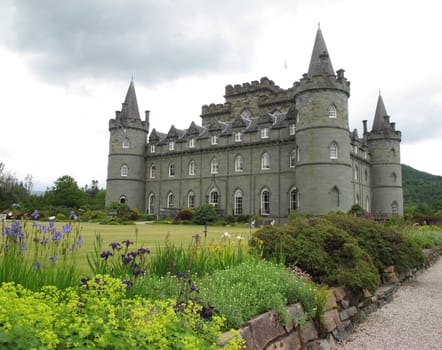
(323, 173)
(386, 174)
(126, 162)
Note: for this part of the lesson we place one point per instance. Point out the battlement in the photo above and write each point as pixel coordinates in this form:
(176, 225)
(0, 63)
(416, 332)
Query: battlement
(215, 109)
(265, 84)
(338, 82)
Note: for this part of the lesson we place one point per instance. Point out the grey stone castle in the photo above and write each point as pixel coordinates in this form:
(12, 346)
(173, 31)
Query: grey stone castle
(264, 151)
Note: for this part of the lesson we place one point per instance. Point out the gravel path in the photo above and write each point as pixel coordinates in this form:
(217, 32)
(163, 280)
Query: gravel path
(412, 321)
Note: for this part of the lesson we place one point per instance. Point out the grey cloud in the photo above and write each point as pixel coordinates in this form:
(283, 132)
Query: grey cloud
(153, 40)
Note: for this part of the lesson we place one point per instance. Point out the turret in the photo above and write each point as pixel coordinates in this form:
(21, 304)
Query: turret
(126, 165)
(323, 172)
(386, 174)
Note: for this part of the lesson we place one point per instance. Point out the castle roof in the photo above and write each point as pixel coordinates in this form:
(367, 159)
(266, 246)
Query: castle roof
(130, 109)
(379, 122)
(320, 63)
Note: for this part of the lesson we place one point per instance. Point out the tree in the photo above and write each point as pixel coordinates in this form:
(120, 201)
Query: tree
(66, 192)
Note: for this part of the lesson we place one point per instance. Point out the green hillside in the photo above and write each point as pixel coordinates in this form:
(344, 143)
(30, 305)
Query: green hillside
(421, 189)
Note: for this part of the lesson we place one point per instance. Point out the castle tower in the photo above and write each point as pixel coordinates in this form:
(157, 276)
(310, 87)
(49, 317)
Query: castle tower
(126, 162)
(386, 174)
(323, 172)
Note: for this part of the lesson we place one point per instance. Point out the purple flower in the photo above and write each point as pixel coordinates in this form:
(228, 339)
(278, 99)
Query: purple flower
(44, 229)
(56, 236)
(142, 251)
(84, 280)
(51, 225)
(115, 245)
(67, 228)
(106, 254)
(127, 242)
(37, 265)
(35, 214)
(80, 240)
(52, 258)
(128, 283)
(73, 216)
(181, 275)
(138, 272)
(44, 241)
(193, 288)
(126, 259)
(133, 254)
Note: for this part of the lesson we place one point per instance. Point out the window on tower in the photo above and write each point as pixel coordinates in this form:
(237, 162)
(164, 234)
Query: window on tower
(214, 166)
(126, 143)
(172, 169)
(124, 170)
(239, 164)
(265, 202)
(334, 150)
(265, 161)
(238, 200)
(332, 111)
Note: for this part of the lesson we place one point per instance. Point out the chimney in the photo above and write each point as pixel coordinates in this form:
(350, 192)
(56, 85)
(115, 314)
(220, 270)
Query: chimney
(364, 124)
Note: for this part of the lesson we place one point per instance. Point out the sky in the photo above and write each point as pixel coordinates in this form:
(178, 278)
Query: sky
(66, 67)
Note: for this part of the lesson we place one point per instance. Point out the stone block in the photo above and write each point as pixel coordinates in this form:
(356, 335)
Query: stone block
(343, 331)
(296, 311)
(367, 294)
(344, 303)
(331, 301)
(339, 293)
(265, 328)
(291, 342)
(331, 320)
(308, 332)
(246, 334)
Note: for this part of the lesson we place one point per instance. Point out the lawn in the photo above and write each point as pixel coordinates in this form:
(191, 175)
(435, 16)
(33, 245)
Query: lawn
(149, 235)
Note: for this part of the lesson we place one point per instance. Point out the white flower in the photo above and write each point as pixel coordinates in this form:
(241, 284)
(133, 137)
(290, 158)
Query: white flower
(239, 238)
(226, 235)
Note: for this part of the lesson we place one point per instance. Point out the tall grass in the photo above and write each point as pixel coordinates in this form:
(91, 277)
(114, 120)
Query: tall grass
(34, 254)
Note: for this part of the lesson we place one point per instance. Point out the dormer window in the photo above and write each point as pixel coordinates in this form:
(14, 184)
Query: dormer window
(191, 143)
(152, 148)
(292, 129)
(332, 112)
(265, 133)
(237, 136)
(214, 140)
(171, 145)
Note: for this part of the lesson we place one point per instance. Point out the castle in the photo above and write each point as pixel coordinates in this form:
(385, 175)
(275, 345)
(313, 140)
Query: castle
(265, 151)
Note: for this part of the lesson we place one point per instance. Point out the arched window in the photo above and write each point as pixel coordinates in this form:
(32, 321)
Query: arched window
(333, 150)
(150, 204)
(214, 198)
(124, 170)
(356, 174)
(293, 199)
(123, 200)
(366, 175)
(332, 111)
(394, 208)
(357, 199)
(367, 204)
(192, 167)
(265, 202)
(265, 161)
(214, 166)
(191, 200)
(335, 196)
(239, 166)
(126, 143)
(293, 157)
(394, 177)
(238, 201)
(170, 200)
(172, 169)
(153, 171)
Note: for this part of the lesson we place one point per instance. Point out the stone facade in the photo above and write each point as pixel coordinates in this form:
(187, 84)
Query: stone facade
(265, 151)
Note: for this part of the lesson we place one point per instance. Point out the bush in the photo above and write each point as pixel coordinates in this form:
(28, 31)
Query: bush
(183, 215)
(327, 253)
(204, 214)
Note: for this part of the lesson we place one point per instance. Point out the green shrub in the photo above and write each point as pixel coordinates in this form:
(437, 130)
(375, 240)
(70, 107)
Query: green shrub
(256, 286)
(326, 252)
(204, 214)
(183, 215)
(98, 315)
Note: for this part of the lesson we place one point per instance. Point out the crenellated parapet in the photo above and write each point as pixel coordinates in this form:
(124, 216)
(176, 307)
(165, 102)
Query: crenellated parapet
(264, 85)
(318, 82)
(124, 123)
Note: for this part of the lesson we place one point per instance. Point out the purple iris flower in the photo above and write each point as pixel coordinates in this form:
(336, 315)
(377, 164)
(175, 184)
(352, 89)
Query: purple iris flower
(106, 254)
(126, 259)
(37, 265)
(142, 251)
(35, 214)
(52, 258)
(73, 216)
(67, 228)
(56, 236)
(115, 245)
(138, 272)
(44, 229)
(80, 240)
(127, 242)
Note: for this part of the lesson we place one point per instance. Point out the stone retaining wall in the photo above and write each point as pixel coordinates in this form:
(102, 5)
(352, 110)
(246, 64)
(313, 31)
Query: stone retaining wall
(343, 313)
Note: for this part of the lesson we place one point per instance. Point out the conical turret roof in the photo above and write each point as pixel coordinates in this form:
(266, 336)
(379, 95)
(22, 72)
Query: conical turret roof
(130, 105)
(379, 122)
(320, 63)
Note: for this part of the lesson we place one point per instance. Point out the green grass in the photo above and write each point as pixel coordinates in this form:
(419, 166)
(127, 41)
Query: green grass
(148, 236)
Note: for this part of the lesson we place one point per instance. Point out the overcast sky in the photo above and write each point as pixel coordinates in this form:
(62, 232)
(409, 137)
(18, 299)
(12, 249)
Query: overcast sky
(66, 66)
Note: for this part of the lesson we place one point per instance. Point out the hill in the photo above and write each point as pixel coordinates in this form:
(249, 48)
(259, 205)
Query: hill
(420, 189)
